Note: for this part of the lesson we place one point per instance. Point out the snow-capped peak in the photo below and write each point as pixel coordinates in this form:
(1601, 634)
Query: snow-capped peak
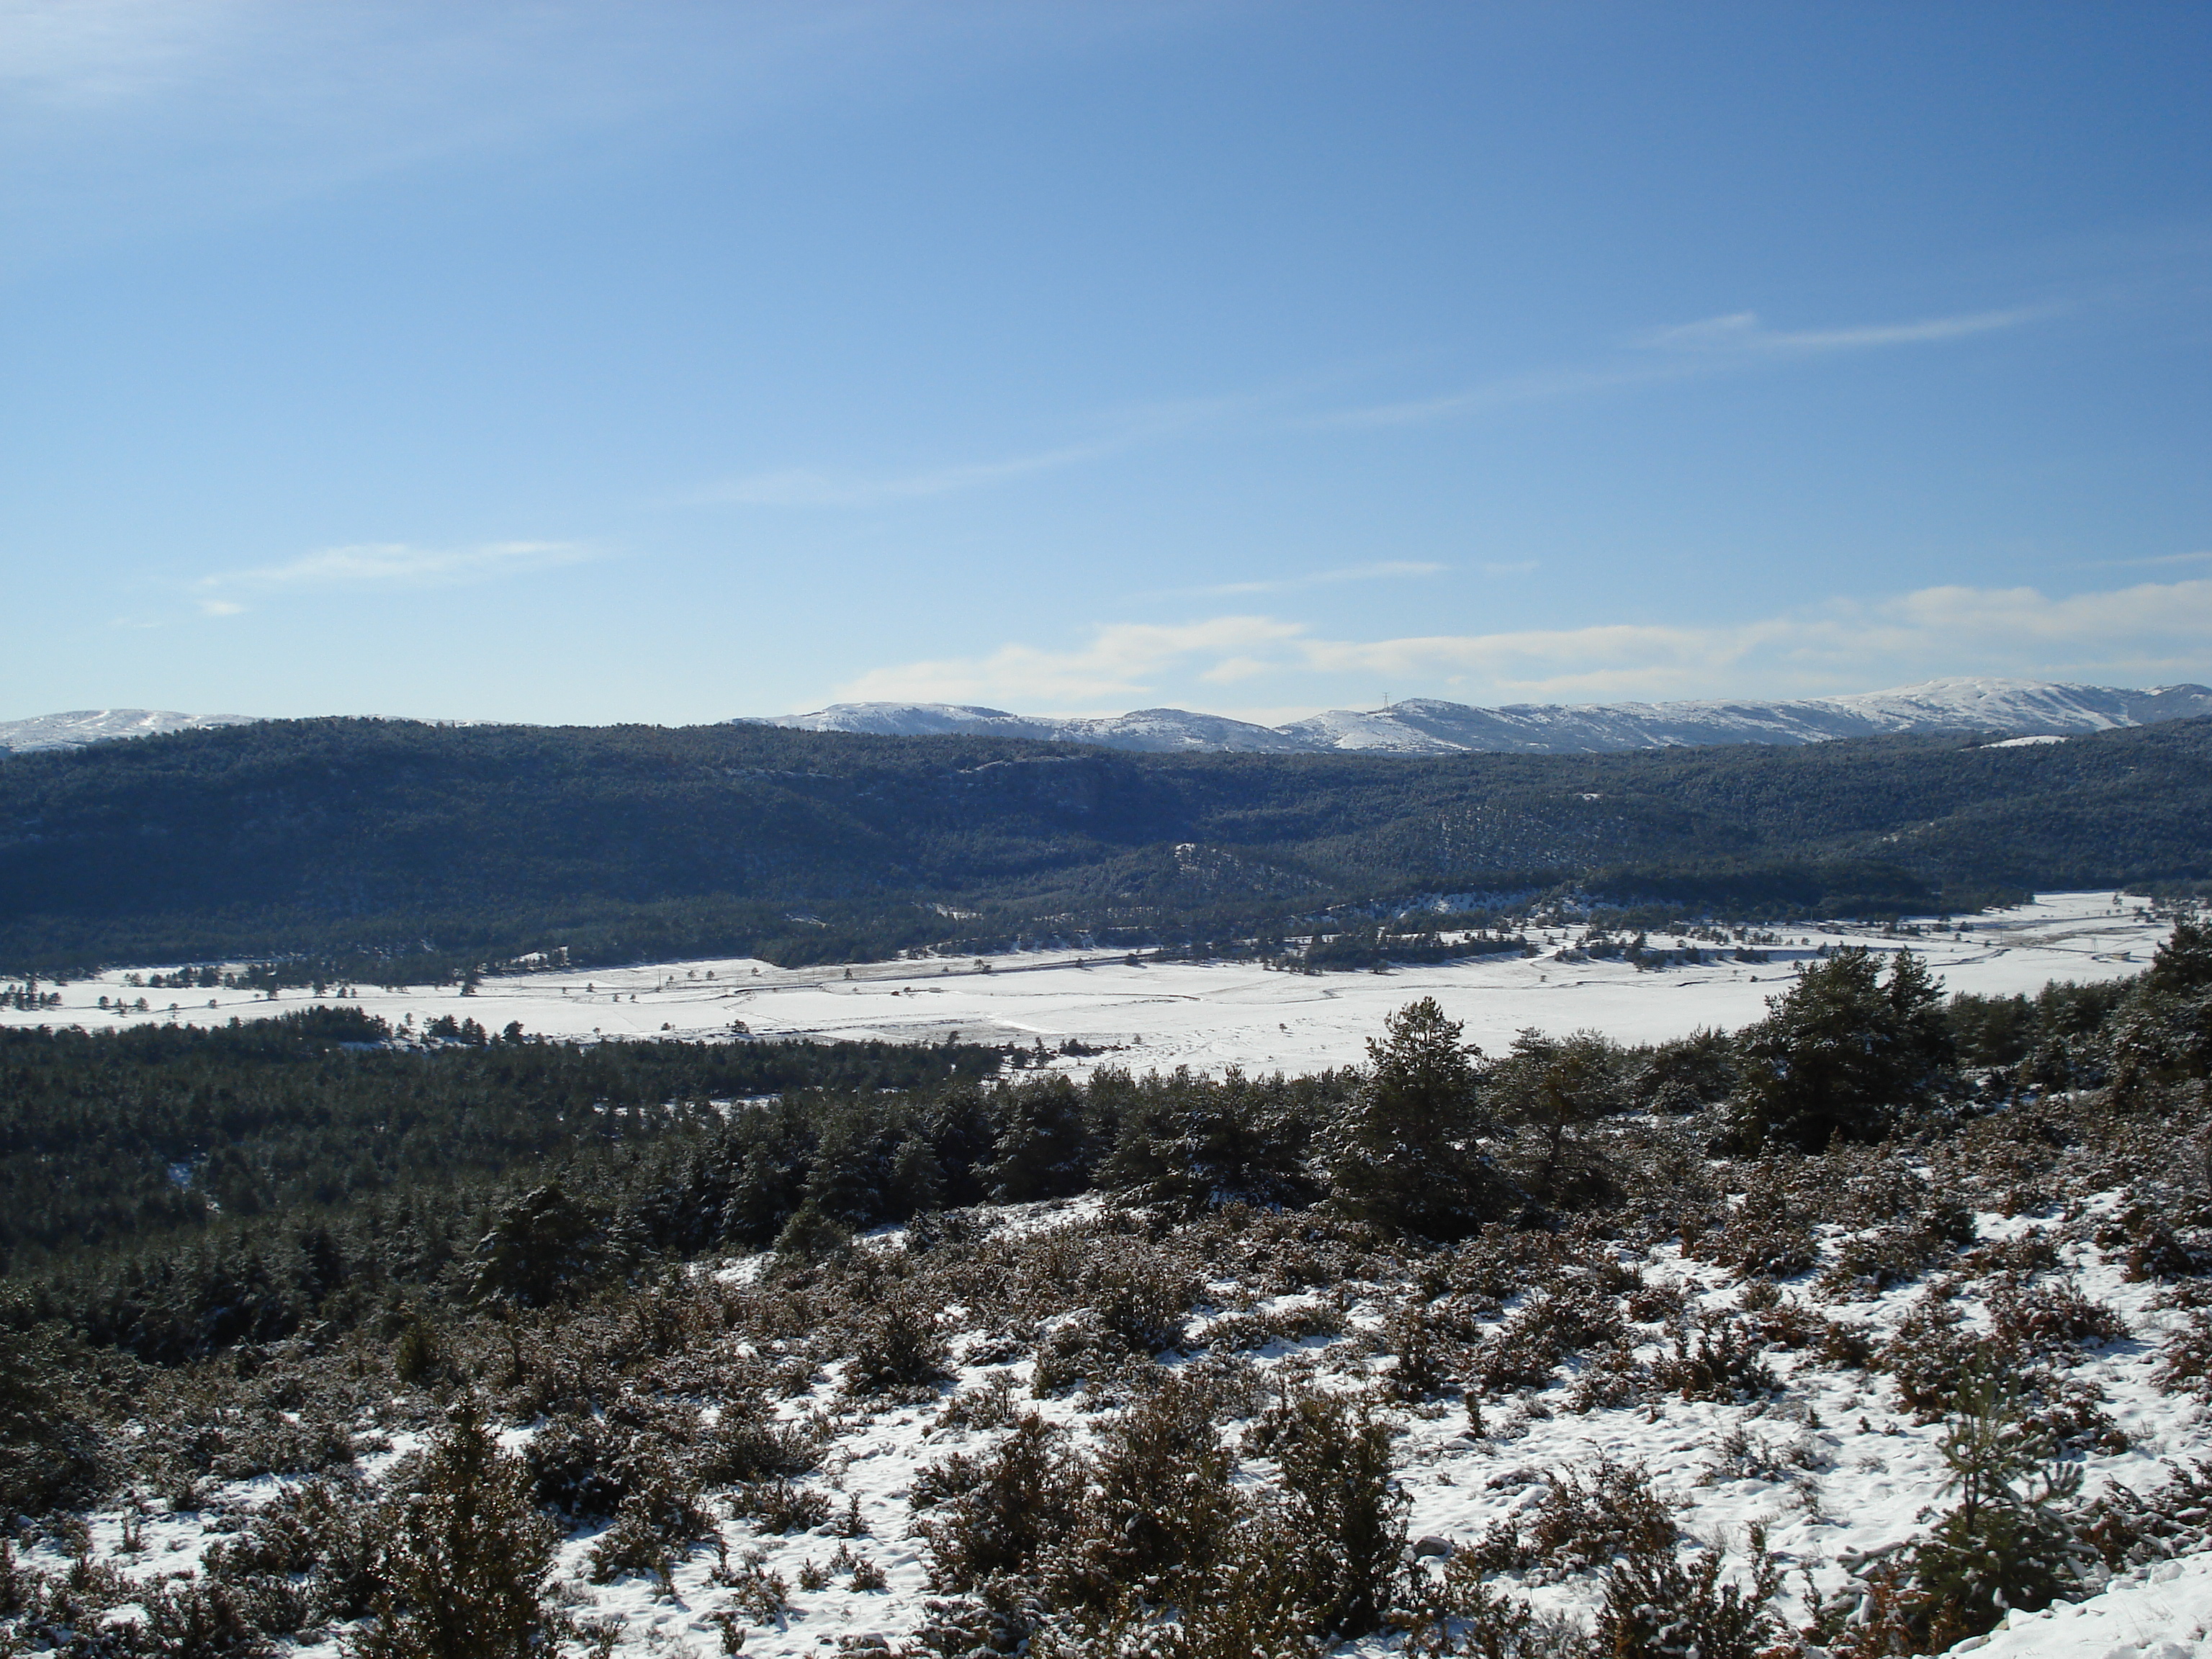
(1428, 725)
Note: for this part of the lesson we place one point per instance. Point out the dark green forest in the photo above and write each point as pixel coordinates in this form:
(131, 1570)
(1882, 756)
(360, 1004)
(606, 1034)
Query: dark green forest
(176, 1189)
(345, 845)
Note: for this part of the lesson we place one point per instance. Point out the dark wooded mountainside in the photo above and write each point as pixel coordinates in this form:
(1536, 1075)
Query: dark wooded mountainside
(350, 842)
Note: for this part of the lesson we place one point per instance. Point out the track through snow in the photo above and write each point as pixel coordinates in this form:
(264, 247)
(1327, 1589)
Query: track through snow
(1209, 1016)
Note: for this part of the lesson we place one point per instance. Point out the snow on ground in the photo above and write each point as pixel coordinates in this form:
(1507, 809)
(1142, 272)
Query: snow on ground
(2163, 1611)
(1861, 1475)
(1209, 1016)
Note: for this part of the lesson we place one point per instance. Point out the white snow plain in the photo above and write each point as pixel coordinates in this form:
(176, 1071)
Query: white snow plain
(1207, 1016)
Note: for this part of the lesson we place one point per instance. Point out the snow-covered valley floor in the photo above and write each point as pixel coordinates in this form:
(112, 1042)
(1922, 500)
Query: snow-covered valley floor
(1209, 1016)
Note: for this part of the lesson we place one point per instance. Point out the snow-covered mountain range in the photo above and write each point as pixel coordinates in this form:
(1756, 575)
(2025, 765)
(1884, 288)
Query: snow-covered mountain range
(83, 725)
(1419, 725)
(1427, 725)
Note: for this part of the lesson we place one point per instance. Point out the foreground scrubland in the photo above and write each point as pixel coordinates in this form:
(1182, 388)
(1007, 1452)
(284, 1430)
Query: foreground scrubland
(1877, 1327)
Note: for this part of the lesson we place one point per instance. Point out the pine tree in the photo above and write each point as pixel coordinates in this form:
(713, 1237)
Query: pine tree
(2010, 1540)
(1045, 1151)
(1196, 1145)
(1405, 1153)
(850, 1173)
(1554, 1087)
(962, 1126)
(917, 1180)
(462, 1570)
(1842, 1052)
(540, 1243)
(2163, 1032)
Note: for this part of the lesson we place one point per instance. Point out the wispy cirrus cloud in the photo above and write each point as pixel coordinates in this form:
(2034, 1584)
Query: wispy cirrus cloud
(1732, 343)
(1741, 333)
(1118, 432)
(1680, 351)
(1541, 385)
(389, 564)
(806, 487)
(121, 116)
(2166, 559)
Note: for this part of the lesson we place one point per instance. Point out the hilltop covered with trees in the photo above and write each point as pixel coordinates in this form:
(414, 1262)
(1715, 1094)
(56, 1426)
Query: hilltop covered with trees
(353, 849)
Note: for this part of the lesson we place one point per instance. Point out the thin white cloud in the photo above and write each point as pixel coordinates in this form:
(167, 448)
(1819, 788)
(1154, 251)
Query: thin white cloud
(118, 117)
(1122, 430)
(2148, 633)
(1355, 572)
(1679, 352)
(95, 53)
(2168, 559)
(1545, 385)
(1741, 333)
(2159, 629)
(394, 564)
(1114, 668)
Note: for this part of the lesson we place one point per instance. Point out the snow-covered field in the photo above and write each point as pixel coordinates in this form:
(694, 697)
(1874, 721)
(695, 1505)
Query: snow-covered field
(1207, 1016)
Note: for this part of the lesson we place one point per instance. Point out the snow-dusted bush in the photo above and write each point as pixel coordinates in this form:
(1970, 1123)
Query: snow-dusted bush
(2049, 1319)
(1333, 1483)
(1716, 1358)
(899, 1350)
(1659, 1607)
(1766, 1235)
(1527, 1348)
(1584, 1521)
(993, 1518)
(463, 1557)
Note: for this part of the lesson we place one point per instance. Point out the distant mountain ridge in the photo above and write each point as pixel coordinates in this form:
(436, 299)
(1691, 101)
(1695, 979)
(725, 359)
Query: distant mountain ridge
(1419, 725)
(83, 725)
(1429, 726)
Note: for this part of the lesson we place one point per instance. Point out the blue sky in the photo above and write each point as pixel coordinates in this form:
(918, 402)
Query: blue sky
(670, 361)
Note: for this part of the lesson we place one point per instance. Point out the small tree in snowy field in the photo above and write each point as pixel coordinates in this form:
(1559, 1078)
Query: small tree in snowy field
(2009, 1543)
(462, 1569)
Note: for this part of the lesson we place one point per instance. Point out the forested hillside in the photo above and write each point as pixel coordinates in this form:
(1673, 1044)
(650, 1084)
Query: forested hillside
(352, 842)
